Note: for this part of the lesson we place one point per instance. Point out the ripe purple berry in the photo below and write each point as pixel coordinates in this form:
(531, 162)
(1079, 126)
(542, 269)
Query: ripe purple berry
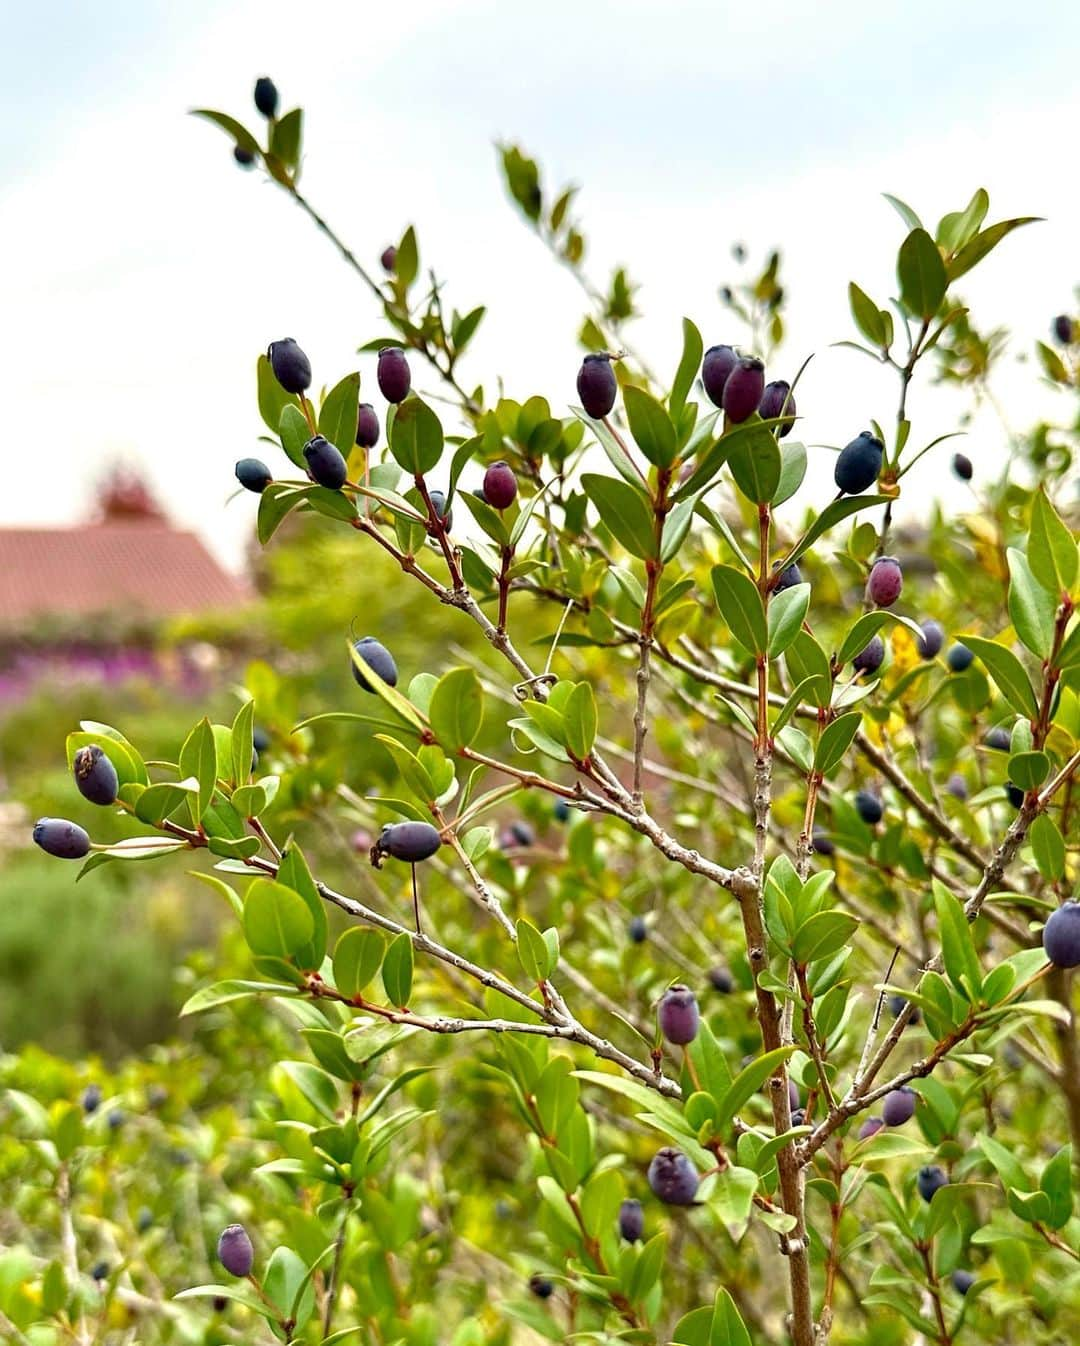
(823, 843)
(777, 400)
(500, 485)
(869, 659)
(438, 504)
(561, 811)
(234, 1250)
(260, 738)
(1061, 936)
(931, 1179)
(291, 367)
(1016, 795)
(673, 1178)
(637, 930)
(932, 639)
(885, 582)
(91, 1098)
(95, 775)
(388, 260)
(859, 464)
(869, 807)
(998, 738)
(716, 368)
(678, 1015)
(266, 96)
(794, 1101)
(367, 426)
(870, 1127)
(541, 1287)
(377, 657)
(743, 389)
(788, 578)
(412, 841)
(243, 157)
(1064, 329)
(962, 1281)
(720, 979)
(64, 840)
(393, 374)
(597, 385)
(253, 475)
(962, 466)
(899, 1106)
(959, 658)
(631, 1220)
(798, 1117)
(957, 786)
(897, 1004)
(325, 463)
(100, 1272)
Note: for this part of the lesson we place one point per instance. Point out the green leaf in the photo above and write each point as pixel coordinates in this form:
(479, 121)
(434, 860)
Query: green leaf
(650, 426)
(397, 970)
(1031, 608)
(983, 242)
(198, 758)
(921, 273)
(1048, 845)
(792, 471)
(1007, 671)
(286, 136)
(456, 709)
(904, 211)
(741, 607)
(243, 747)
(957, 948)
(489, 518)
(625, 512)
(756, 464)
(827, 520)
(959, 227)
(689, 364)
(867, 315)
(275, 503)
(240, 134)
(676, 526)
(823, 935)
(339, 412)
(611, 446)
(748, 1081)
(407, 261)
(239, 1293)
(1029, 769)
(533, 952)
(1056, 1182)
(358, 955)
(786, 614)
(294, 432)
(293, 872)
(580, 720)
(727, 1327)
(416, 437)
(277, 921)
(835, 740)
(1051, 548)
(222, 992)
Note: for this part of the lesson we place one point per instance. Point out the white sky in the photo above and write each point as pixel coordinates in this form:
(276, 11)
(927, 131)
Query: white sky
(144, 272)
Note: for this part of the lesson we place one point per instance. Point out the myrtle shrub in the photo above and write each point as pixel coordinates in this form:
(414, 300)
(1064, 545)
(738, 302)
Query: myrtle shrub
(705, 976)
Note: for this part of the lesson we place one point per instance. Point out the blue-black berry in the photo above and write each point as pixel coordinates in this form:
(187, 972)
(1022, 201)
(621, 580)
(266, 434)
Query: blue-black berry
(962, 466)
(777, 400)
(325, 463)
(266, 96)
(673, 1178)
(637, 930)
(859, 463)
(932, 639)
(869, 807)
(631, 1220)
(291, 367)
(931, 1179)
(243, 157)
(1061, 936)
(95, 775)
(716, 368)
(378, 658)
(410, 841)
(63, 839)
(959, 658)
(899, 1106)
(870, 658)
(253, 475)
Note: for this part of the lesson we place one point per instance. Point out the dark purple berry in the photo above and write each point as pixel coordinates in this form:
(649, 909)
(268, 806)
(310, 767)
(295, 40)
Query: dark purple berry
(932, 639)
(243, 157)
(1064, 329)
(897, 1004)
(393, 374)
(823, 843)
(325, 463)
(95, 775)
(1016, 795)
(962, 1281)
(235, 1252)
(716, 368)
(870, 1127)
(367, 426)
(412, 841)
(541, 1287)
(998, 738)
(597, 385)
(157, 1096)
(631, 1220)
(115, 1119)
(869, 807)
(438, 504)
(957, 786)
(743, 389)
(58, 837)
(377, 657)
(91, 1098)
(100, 1272)
(266, 96)
(899, 1106)
(521, 833)
(931, 1179)
(291, 367)
(777, 400)
(962, 466)
(1061, 936)
(219, 1303)
(720, 979)
(869, 659)
(959, 658)
(561, 811)
(637, 930)
(885, 582)
(253, 475)
(144, 1219)
(788, 578)
(500, 485)
(388, 260)
(260, 738)
(798, 1117)
(794, 1100)
(678, 1015)
(859, 464)
(673, 1178)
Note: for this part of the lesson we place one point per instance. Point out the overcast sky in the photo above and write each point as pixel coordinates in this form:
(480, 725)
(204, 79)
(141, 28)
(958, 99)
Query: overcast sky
(143, 271)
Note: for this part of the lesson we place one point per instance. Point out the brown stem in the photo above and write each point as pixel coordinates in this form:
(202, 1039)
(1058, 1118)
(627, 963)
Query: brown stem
(926, 1252)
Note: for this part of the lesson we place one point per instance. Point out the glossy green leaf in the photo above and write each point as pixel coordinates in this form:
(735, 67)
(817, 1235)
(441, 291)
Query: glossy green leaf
(242, 744)
(397, 970)
(983, 242)
(650, 425)
(741, 607)
(1031, 607)
(836, 738)
(198, 759)
(1007, 671)
(957, 948)
(786, 614)
(580, 720)
(533, 953)
(827, 520)
(416, 436)
(625, 512)
(358, 955)
(1051, 548)
(689, 364)
(1048, 846)
(921, 272)
(339, 412)
(755, 463)
(277, 921)
(456, 709)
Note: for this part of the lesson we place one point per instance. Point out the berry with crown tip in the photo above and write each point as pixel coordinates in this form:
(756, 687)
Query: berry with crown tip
(378, 658)
(410, 841)
(720, 979)
(1016, 795)
(63, 839)
(500, 485)
(438, 504)
(870, 1127)
(932, 639)
(823, 843)
(777, 400)
(957, 786)
(260, 738)
(859, 463)
(243, 157)
(91, 1098)
(931, 1179)
(672, 1177)
(962, 1281)
(95, 775)
(597, 385)
(678, 1015)
(886, 582)
(899, 1106)
(798, 1116)
(962, 466)
(870, 657)
(637, 930)
(253, 475)
(743, 389)
(519, 832)
(716, 369)
(541, 1287)
(325, 463)
(897, 1004)
(367, 426)
(266, 96)
(788, 578)
(561, 811)
(393, 374)
(998, 738)
(1061, 935)
(869, 807)
(291, 367)
(388, 259)
(959, 658)
(235, 1251)
(1064, 329)
(631, 1220)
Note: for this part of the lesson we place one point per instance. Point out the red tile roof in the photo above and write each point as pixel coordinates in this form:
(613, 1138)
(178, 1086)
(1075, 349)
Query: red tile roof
(144, 568)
